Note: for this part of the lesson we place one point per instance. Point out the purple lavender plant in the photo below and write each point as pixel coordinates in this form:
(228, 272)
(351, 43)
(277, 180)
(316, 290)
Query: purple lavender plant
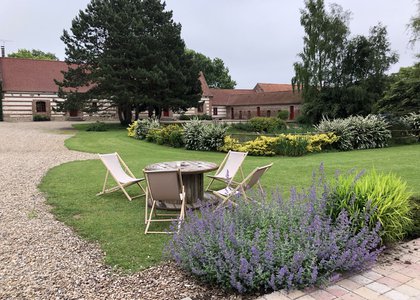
(274, 243)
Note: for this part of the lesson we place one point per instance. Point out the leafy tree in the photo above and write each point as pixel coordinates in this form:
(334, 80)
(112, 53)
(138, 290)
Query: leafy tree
(340, 76)
(414, 26)
(33, 54)
(131, 53)
(324, 40)
(403, 95)
(215, 71)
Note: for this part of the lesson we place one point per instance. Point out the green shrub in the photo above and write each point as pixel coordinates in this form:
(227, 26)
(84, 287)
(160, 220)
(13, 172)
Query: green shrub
(414, 231)
(97, 126)
(357, 132)
(283, 115)
(200, 136)
(213, 136)
(243, 126)
(266, 124)
(143, 127)
(386, 193)
(40, 118)
(291, 145)
(412, 121)
(192, 134)
(176, 138)
(154, 135)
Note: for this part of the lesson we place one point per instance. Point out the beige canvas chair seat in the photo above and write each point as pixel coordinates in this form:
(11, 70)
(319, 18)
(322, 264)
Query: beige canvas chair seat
(166, 188)
(239, 189)
(114, 166)
(231, 164)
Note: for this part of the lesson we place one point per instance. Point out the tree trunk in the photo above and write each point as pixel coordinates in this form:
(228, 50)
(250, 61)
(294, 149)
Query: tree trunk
(150, 111)
(124, 114)
(158, 112)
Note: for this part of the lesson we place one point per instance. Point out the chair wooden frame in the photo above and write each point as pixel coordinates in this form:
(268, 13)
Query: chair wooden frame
(121, 174)
(240, 188)
(228, 178)
(180, 192)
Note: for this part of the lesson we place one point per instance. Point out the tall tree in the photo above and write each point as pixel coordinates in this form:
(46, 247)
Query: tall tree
(131, 53)
(215, 71)
(340, 76)
(324, 43)
(33, 54)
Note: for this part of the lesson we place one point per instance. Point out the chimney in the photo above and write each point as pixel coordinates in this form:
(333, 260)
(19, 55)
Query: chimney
(3, 52)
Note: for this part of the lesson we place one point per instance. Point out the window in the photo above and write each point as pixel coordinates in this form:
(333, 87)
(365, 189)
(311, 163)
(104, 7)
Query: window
(200, 107)
(240, 115)
(214, 111)
(232, 113)
(258, 111)
(166, 112)
(40, 106)
(268, 113)
(249, 114)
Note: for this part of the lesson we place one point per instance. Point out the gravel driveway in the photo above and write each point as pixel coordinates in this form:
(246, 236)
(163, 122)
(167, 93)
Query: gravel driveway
(40, 257)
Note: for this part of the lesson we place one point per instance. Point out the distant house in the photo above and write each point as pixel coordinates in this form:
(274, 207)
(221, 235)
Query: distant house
(264, 100)
(28, 89)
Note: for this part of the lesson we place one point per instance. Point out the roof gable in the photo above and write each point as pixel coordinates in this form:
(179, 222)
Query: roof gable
(273, 87)
(30, 75)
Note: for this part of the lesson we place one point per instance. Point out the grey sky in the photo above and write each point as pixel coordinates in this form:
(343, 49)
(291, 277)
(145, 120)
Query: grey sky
(257, 39)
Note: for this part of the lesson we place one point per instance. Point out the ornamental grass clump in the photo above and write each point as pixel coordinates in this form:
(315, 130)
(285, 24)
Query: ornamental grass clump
(273, 243)
(357, 132)
(386, 193)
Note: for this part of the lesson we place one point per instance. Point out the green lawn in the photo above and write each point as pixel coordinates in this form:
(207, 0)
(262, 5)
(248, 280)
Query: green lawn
(117, 224)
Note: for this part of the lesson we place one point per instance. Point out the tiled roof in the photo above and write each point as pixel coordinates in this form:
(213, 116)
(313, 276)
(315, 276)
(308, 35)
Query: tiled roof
(273, 98)
(30, 75)
(221, 96)
(204, 87)
(273, 87)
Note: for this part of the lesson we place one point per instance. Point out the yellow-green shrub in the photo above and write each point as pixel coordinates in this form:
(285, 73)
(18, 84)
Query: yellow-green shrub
(132, 129)
(284, 144)
(261, 146)
(318, 142)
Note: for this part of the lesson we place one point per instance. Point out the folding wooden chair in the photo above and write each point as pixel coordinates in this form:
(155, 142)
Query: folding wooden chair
(240, 189)
(228, 168)
(113, 162)
(166, 188)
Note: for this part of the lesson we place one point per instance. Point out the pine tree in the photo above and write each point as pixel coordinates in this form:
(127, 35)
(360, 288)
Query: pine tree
(131, 53)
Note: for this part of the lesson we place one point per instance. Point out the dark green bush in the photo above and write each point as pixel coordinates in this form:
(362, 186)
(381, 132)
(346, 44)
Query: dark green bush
(283, 115)
(97, 126)
(266, 124)
(40, 118)
(176, 138)
(414, 230)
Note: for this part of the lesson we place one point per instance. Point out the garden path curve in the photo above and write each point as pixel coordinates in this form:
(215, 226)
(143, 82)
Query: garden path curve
(40, 257)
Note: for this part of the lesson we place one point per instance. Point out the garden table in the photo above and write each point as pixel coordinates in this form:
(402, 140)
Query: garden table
(192, 173)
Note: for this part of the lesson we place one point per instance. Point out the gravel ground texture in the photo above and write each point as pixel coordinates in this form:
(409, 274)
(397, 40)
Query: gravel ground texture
(40, 257)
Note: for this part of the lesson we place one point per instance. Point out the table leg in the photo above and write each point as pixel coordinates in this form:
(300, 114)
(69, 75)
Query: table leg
(194, 187)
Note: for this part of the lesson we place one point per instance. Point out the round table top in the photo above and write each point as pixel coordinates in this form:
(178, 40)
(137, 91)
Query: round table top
(186, 166)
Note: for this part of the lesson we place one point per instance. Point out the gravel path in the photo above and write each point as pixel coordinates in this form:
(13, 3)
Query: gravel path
(40, 257)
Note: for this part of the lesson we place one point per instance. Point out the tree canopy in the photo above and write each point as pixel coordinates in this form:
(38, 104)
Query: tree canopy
(129, 52)
(403, 94)
(215, 71)
(33, 54)
(339, 75)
